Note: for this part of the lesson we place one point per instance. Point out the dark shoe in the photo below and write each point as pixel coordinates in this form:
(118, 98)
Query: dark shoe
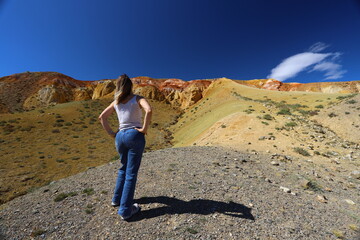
(134, 210)
(115, 204)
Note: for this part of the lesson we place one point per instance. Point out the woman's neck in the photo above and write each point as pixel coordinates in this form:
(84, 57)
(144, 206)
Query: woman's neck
(131, 95)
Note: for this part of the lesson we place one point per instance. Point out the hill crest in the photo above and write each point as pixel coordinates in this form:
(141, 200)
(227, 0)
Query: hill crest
(26, 91)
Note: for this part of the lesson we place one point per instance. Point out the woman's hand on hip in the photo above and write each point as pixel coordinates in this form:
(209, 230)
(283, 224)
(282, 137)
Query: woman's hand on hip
(114, 134)
(142, 130)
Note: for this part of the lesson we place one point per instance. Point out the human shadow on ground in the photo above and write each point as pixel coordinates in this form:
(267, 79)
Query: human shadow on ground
(196, 206)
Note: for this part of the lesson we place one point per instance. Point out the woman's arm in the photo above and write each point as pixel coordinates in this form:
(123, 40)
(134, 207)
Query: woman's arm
(147, 118)
(103, 119)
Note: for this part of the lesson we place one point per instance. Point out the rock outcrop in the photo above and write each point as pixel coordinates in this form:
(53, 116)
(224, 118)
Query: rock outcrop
(103, 88)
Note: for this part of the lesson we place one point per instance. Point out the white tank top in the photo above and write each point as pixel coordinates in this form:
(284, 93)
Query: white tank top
(129, 114)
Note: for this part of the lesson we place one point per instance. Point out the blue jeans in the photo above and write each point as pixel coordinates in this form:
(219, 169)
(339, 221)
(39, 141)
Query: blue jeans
(130, 145)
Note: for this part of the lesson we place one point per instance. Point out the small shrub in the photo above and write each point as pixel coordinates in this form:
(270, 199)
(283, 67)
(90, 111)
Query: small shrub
(223, 126)
(13, 121)
(89, 210)
(291, 124)
(62, 196)
(37, 232)
(319, 106)
(347, 113)
(267, 117)
(75, 158)
(55, 131)
(301, 151)
(338, 234)
(284, 111)
(341, 97)
(27, 129)
(60, 160)
(313, 185)
(265, 123)
(192, 230)
(88, 191)
(332, 115)
(352, 101)
(58, 125)
(248, 111)
(313, 113)
(354, 227)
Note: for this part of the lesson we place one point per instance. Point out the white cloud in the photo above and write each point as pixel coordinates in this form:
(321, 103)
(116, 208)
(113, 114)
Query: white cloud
(332, 70)
(291, 66)
(318, 47)
(324, 62)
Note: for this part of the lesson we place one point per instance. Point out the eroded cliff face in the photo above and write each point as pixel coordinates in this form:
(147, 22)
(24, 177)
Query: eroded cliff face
(29, 90)
(176, 92)
(103, 88)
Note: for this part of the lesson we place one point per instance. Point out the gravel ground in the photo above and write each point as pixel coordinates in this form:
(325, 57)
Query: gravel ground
(195, 193)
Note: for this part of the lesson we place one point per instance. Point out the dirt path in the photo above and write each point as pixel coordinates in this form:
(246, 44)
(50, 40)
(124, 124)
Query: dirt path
(195, 193)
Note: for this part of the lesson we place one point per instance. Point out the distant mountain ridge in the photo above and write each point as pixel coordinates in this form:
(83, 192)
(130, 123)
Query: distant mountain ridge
(26, 91)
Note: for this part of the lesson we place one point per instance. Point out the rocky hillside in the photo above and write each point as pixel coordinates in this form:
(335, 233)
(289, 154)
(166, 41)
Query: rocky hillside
(25, 91)
(195, 193)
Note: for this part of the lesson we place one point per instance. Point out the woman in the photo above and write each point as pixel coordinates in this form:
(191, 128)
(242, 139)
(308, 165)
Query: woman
(129, 142)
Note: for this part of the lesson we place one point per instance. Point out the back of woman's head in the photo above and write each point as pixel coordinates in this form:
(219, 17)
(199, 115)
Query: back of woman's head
(123, 88)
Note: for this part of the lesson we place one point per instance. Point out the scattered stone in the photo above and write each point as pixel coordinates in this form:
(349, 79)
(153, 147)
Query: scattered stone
(287, 190)
(348, 201)
(305, 184)
(335, 161)
(321, 198)
(355, 174)
(274, 163)
(316, 174)
(268, 180)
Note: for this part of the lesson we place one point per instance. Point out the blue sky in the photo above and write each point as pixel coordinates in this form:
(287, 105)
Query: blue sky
(292, 41)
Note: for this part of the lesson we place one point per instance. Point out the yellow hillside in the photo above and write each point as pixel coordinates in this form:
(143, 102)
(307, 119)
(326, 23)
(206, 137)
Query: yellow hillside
(246, 118)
